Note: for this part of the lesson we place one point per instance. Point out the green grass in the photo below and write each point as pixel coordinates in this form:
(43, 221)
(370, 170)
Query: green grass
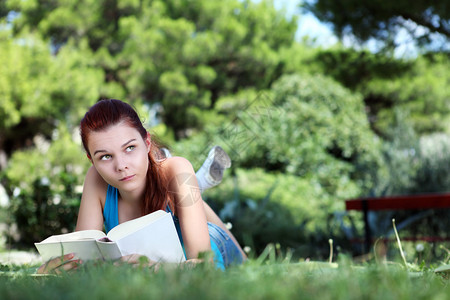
(257, 279)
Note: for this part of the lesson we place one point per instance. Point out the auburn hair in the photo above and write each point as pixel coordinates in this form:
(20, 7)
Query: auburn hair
(109, 112)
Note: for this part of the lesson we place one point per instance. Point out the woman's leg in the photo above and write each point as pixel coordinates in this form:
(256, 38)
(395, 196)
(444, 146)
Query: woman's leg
(229, 251)
(213, 218)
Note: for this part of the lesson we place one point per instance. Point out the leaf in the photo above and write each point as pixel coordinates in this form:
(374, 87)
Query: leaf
(442, 269)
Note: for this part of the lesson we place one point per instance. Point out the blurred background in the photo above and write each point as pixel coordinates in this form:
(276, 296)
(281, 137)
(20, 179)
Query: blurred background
(316, 102)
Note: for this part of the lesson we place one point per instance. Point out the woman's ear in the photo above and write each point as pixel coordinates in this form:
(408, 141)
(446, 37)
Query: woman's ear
(148, 141)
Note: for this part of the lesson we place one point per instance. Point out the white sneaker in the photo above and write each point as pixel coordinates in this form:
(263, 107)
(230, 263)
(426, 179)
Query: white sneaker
(210, 173)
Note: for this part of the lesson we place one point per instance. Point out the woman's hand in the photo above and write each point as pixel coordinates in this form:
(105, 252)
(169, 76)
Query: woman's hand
(60, 264)
(138, 260)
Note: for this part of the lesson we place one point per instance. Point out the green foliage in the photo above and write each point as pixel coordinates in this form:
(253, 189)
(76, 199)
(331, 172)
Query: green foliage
(38, 89)
(266, 208)
(47, 183)
(383, 21)
(43, 99)
(327, 132)
(400, 153)
(414, 165)
(311, 127)
(227, 73)
(422, 92)
(309, 139)
(433, 175)
(184, 55)
(356, 68)
(387, 84)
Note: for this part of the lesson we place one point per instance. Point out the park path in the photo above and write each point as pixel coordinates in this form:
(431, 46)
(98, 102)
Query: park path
(15, 257)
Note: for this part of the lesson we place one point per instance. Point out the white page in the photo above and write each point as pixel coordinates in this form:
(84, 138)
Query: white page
(131, 226)
(86, 249)
(158, 241)
(109, 250)
(75, 236)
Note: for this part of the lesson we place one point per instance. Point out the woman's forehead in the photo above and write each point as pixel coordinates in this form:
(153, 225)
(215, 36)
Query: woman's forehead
(113, 135)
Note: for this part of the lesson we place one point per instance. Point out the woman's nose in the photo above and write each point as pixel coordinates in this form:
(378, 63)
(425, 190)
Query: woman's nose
(121, 163)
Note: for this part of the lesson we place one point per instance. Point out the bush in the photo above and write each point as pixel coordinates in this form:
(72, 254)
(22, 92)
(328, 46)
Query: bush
(308, 137)
(45, 187)
(416, 165)
(277, 208)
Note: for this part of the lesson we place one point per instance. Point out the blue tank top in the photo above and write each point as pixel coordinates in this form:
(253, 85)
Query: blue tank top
(111, 220)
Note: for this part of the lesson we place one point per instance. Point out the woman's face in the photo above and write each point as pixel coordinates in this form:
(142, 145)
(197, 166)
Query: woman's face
(120, 156)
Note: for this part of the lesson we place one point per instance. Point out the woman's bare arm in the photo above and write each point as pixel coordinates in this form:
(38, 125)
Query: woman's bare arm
(188, 206)
(90, 215)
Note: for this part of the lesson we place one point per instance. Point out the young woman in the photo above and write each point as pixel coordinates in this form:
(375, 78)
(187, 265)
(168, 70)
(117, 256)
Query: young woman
(128, 180)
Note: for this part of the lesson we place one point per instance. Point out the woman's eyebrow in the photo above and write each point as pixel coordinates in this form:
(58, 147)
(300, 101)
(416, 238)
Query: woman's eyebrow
(132, 140)
(99, 151)
(123, 145)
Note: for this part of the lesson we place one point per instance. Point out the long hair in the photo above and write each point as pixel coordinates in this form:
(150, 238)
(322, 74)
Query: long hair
(106, 113)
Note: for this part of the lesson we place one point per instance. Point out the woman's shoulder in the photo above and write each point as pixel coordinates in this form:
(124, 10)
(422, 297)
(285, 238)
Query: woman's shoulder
(176, 164)
(93, 176)
(92, 201)
(94, 183)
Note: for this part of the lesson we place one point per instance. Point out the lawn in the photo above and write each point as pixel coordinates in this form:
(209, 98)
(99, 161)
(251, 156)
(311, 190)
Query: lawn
(265, 277)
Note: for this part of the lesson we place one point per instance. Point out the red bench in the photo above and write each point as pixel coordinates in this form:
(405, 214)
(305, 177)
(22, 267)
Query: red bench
(410, 202)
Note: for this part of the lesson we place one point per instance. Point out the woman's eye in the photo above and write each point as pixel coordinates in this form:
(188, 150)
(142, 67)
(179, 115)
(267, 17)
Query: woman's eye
(105, 157)
(130, 148)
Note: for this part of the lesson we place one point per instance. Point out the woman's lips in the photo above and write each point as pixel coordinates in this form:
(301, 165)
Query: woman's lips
(126, 178)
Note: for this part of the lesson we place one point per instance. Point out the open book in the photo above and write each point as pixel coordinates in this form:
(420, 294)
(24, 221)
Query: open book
(153, 235)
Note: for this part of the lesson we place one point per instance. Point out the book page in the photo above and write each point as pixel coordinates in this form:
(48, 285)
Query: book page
(109, 249)
(157, 240)
(82, 243)
(131, 226)
(84, 249)
(74, 236)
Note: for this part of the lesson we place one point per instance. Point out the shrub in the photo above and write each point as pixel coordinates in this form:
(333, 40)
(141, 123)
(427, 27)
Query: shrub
(417, 165)
(277, 208)
(45, 187)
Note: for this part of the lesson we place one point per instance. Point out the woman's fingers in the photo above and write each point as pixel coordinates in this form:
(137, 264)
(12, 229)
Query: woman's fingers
(71, 265)
(137, 259)
(132, 258)
(59, 263)
(50, 265)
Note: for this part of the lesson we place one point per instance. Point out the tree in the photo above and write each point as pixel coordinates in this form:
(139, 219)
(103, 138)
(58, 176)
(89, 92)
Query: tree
(416, 86)
(422, 93)
(182, 54)
(423, 20)
(45, 185)
(356, 68)
(42, 100)
(305, 143)
(62, 56)
(307, 126)
(39, 91)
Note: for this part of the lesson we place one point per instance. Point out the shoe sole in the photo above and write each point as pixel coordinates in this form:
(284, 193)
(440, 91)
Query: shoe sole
(221, 162)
